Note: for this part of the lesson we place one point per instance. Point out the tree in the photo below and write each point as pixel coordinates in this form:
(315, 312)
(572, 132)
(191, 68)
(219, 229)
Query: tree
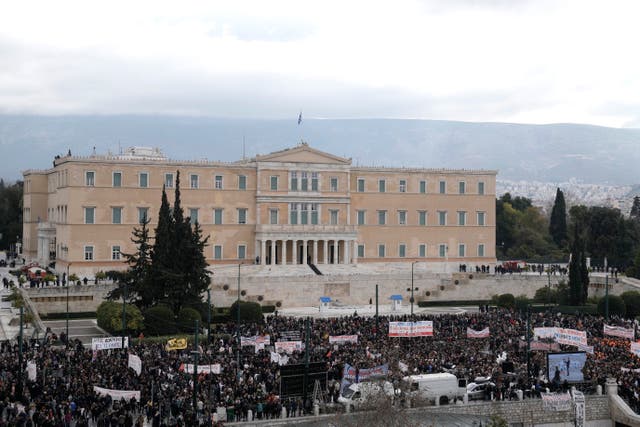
(575, 270)
(635, 209)
(616, 306)
(160, 320)
(250, 312)
(558, 219)
(10, 213)
(109, 317)
(632, 303)
(161, 253)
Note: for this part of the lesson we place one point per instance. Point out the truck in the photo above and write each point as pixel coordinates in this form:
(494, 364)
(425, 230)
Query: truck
(439, 388)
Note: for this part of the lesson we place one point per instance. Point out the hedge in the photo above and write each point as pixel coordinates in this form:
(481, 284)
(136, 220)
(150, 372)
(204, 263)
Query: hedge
(74, 315)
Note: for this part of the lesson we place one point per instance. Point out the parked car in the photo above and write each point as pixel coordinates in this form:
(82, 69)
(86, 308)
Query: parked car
(478, 391)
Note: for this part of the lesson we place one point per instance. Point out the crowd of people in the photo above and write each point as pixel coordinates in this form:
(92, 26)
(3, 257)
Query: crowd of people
(248, 386)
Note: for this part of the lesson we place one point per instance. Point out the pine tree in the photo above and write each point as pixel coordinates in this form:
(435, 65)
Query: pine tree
(162, 255)
(558, 219)
(635, 209)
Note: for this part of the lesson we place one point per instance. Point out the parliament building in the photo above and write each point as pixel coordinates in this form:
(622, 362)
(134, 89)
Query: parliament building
(295, 206)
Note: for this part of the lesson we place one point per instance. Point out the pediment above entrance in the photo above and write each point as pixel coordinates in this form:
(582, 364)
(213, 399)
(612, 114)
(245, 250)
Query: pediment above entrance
(302, 153)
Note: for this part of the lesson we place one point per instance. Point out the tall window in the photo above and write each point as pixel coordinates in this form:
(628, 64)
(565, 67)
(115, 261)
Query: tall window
(117, 179)
(422, 217)
(382, 186)
(217, 252)
(115, 253)
(143, 179)
(360, 251)
(88, 253)
(89, 215)
(274, 183)
(360, 185)
(462, 218)
(361, 217)
(242, 215)
(402, 217)
(143, 215)
(294, 181)
(314, 181)
(314, 213)
(334, 184)
(402, 250)
(443, 187)
(333, 216)
(116, 215)
(382, 217)
(480, 218)
(194, 181)
(242, 182)
(304, 213)
(422, 250)
(461, 250)
(293, 213)
(218, 182)
(217, 216)
(273, 216)
(403, 185)
(193, 215)
(461, 187)
(381, 250)
(168, 180)
(89, 178)
(481, 249)
(423, 187)
(242, 251)
(442, 250)
(442, 217)
(481, 188)
(304, 181)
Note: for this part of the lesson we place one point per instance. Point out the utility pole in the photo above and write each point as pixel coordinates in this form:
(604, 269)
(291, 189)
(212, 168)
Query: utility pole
(606, 289)
(528, 341)
(209, 316)
(412, 288)
(305, 381)
(377, 326)
(238, 325)
(68, 283)
(124, 312)
(20, 361)
(195, 372)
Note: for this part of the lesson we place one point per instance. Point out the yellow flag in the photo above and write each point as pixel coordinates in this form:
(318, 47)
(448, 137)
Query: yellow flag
(176, 344)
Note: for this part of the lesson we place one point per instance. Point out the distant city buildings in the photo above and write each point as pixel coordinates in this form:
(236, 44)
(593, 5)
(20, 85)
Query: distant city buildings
(294, 206)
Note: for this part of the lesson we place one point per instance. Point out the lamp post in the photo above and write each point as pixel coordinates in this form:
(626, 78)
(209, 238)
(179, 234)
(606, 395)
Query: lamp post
(238, 324)
(68, 281)
(209, 316)
(124, 312)
(606, 289)
(412, 287)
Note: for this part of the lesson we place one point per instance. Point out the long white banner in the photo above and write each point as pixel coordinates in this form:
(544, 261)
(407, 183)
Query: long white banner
(556, 402)
(341, 339)
(203, 369)
(471, 333)
(288, 346)
(117, 394)
(411, 329)
(618, 331)
(563, 336)
(108, 343)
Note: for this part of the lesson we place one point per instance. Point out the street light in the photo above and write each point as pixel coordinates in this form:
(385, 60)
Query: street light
(238, 324)
(68, 265)
(412, 287)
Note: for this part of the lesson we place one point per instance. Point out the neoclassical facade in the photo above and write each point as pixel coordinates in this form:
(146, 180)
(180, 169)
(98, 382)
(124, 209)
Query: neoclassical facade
(295, 206)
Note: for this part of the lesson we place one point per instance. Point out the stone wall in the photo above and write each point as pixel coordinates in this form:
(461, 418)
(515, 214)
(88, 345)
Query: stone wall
(53, 299)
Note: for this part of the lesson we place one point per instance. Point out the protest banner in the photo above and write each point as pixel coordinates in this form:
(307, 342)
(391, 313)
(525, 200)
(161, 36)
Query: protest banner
(216, 368)
(411, 329)
(288, 346)
(176, 344)
(351, 374)
(562, 335)
(618, 331)
(471, 333)
(289, 336)
(342, 339)
(556, 401)
(108, 343)
(117, 394)
(135, 363)
(541, 346)
(32, 370)
(635, 348)
(280, 359)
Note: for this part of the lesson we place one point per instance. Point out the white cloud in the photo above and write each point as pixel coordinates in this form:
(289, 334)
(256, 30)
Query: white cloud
(537, 62)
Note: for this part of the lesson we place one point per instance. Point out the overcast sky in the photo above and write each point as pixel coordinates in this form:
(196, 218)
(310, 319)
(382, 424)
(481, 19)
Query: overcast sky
(514, 61)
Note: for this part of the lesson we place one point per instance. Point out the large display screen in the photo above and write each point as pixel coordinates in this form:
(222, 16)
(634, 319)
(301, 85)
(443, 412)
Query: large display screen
(566, 366)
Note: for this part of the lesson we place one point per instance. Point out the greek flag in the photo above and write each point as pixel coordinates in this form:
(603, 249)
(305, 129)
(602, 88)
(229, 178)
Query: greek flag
(300, 117)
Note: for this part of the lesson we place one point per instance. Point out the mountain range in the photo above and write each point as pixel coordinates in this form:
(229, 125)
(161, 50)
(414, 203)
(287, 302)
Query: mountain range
(545, 153)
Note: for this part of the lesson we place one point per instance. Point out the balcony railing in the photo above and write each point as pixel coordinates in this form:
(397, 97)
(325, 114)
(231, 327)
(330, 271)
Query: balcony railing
(306, 228)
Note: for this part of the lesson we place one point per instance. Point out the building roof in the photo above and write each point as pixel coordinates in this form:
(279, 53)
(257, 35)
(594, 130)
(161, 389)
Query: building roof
(302, 153)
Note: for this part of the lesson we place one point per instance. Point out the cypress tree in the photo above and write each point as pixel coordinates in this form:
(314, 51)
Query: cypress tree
(584, 278)
(138, 276)
(635, 209)
(558, 219)
(162, 255)
(575, 275)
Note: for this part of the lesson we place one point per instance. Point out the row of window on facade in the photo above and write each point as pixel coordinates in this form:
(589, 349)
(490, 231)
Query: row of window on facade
(299, 181)
(300, 213)
(241, 251)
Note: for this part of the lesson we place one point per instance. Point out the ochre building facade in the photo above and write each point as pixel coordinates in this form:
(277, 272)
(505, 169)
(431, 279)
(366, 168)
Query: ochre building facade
(295, 206)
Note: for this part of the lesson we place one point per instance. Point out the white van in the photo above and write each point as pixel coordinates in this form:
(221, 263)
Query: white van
(438, 388)
(365, 394)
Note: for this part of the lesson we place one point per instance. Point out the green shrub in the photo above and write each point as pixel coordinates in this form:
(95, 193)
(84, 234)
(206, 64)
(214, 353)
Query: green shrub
(109, 317)
(187, 319)
(616, 306)
(521, 302)
(250, 312)
(160, 320)
(506, 301)
(632, 303)
(546, 295)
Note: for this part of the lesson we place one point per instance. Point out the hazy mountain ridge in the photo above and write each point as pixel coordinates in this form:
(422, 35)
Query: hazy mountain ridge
(544, 153)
